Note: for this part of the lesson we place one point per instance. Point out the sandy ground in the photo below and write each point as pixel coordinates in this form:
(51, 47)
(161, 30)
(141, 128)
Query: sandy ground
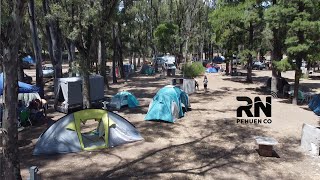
(207, 143)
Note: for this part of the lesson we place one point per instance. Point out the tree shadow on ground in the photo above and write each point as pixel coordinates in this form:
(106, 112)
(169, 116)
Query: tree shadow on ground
(243, 80)
(210, 154)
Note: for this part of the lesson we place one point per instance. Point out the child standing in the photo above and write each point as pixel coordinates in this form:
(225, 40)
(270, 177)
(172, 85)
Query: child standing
(196, 84)
(205, 83)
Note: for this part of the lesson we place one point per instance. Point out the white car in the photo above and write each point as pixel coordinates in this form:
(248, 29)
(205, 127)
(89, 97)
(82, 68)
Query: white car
(169, 66)
(48, 71)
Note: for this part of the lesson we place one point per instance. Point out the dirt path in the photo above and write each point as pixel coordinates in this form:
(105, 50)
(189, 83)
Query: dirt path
(207, 143)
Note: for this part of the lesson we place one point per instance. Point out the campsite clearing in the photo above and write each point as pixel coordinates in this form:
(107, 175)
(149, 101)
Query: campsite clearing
(207, 143)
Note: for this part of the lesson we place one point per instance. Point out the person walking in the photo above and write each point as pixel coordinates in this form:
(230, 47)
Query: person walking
(205, 83)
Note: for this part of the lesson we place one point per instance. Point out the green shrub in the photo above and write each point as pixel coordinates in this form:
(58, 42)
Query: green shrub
(192, 70)
(283, 65)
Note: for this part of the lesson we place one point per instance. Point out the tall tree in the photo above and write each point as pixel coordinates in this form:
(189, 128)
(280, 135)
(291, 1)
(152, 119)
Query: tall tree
(276, 19)
(36, 47)
(54, 37)
(10, 33)
(302, 27)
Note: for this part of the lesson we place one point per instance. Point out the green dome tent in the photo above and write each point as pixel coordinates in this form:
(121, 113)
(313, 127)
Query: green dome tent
(66, 135)
(168, 104)
(124, 98)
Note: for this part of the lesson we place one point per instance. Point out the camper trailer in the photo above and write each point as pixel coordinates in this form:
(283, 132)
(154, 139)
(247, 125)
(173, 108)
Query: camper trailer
(68, 92)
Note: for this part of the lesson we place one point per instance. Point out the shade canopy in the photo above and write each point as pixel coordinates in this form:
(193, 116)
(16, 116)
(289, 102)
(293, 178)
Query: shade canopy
(23, 87)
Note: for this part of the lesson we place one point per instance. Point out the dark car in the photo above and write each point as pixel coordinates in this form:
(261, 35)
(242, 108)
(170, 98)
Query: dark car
(26, 65)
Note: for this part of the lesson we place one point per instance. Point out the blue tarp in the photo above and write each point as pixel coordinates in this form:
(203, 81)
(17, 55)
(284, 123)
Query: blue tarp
(161, 107)
(28, 59)
(314, 104)
(23, 87)
(211, 70)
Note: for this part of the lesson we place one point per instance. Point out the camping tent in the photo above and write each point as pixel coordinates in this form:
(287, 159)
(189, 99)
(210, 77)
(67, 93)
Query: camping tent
(218, 59)
(168, 104)
(314, 104)
(23, 87)
(69, 92)
(146, 69)
(28, 59)
(124, 98)
(67, 134)
(211, 70)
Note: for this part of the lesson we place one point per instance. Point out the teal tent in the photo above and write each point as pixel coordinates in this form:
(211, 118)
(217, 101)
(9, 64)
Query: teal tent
(168, 104)
(124, 98)
(146, 69)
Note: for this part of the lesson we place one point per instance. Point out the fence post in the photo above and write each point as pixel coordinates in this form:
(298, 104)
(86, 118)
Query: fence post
(33, 170)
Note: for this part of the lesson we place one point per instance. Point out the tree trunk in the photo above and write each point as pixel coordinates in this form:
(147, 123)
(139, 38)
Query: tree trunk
(99, 57)
(296, 84)
(115, 54)
(20, 70)
(55, 36)
(9, 122)
(85, 81)
(143, 58)
(299, 59)
(102, 62)
(249, 65)
(119, 45)
(275, 56)
(10, 149)
(135, 61)
(36, 48)
(70, 49)
(227, 66)
(308, 68)
(249, 70)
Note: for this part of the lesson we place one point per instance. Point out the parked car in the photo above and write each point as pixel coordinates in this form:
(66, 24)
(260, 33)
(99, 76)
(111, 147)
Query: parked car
(26, 65)
(169, 66)
(159, 61)
(48, 71)
(258, 65)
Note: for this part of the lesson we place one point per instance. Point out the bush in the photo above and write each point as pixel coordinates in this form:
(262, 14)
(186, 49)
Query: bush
(283, 65)
(192, 70)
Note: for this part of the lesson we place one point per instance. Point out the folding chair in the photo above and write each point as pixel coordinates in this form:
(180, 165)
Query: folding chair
(25, 116)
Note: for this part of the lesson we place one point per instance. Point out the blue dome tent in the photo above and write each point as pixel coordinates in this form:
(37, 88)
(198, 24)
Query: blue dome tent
(167, 104)
(124, 98)
(23, 87)
(28, 59)
(211, 70)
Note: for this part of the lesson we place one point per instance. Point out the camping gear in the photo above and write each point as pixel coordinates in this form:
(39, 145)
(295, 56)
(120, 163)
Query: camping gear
(28, 59)
(146, 69)
(211, 70)
(282, 86)
(68, 92)
(302, 96)
(23, 87)
(168, 104)
(68, 134)
(187, 85)
(314, 104)
(122, 99)
(25, 98)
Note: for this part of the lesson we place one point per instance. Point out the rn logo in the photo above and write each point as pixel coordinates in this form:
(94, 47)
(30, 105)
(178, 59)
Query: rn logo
(257, 105)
